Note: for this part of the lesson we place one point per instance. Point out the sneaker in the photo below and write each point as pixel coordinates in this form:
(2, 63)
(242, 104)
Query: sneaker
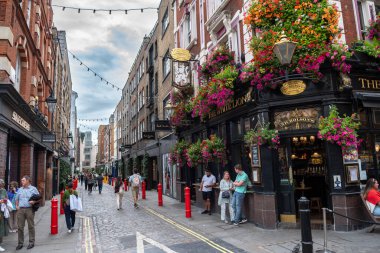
(209, 212)
(226, 221)
(235, 224)
(69, 231)
(243, 221)
(2, 249)
(204, 212)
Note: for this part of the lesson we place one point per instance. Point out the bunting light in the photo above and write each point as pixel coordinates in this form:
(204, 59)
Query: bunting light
(95, 10)
(102, 79)
(87, 127)
(89, 120)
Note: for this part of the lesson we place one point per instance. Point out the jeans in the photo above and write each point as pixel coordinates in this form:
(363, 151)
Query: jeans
(70, 217)
(376, 211)
(100, 188)
(237, 205)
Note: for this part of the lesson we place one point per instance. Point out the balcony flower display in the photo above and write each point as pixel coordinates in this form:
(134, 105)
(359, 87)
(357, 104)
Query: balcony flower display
(216, 62)
(216, 93)
(178, 152)
(312, 24)
(340, 130)
(371, 46)
(263, 135)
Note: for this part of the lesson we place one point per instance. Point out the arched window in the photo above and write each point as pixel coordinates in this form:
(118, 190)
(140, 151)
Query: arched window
(18, 72)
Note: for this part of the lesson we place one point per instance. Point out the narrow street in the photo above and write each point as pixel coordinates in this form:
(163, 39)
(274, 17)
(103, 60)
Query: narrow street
(105, 229)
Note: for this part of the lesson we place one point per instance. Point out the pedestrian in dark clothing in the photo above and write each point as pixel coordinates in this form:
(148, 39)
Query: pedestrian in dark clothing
(100, 183)
(69, 214)
(86, 182)
(81, 179)
(90, 183)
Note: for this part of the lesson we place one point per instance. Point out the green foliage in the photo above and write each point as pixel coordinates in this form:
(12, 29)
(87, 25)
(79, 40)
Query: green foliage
(263, 135)
(64, 172)
(145, 165)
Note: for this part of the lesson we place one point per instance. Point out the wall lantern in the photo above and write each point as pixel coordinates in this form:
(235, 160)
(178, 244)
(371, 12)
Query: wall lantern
(284, 49)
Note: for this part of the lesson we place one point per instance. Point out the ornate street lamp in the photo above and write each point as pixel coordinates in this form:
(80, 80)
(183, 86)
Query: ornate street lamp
(51, 102)
(284, 49)
(169, 108)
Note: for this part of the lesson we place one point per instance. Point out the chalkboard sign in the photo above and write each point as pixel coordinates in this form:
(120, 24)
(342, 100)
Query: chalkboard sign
(255, 153)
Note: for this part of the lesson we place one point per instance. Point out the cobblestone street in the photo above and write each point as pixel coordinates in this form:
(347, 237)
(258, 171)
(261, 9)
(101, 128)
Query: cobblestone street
(105, 229)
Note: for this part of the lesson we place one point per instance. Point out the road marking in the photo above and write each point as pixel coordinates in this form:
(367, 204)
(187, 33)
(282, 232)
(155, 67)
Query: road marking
(140, 238)
(191, 232)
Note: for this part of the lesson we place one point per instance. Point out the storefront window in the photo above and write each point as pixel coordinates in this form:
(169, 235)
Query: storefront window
(366, 154)
(363, 116)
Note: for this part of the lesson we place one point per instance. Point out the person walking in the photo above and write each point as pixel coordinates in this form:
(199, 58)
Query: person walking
(208, 181)
(69, 214)
(81, 179)
(240, 184)
(226, 186)
(119, 191)
(75, 183)
(3, 220)
(25, 211)
(90, 183)
(86, 182)
(100, 179)
(12, 221)
(135, 181)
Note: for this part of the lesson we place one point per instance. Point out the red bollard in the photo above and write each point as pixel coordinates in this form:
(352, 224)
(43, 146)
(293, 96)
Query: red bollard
(54, 217)
(143, 189)
(187, 202)
(125, 185)
(159, 188)
(61, 210)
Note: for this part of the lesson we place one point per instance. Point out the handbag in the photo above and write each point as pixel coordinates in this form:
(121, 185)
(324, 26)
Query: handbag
(75, 204)
(226, 195)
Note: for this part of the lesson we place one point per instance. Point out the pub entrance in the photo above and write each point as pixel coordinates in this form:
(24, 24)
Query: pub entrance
(302, 164)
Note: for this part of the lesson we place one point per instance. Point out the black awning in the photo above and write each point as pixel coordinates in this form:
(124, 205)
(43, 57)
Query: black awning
(369, 99)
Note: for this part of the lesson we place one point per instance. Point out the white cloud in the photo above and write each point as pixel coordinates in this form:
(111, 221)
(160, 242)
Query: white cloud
(106, 43)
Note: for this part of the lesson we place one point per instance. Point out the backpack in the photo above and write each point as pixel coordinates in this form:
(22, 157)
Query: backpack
(136, 181)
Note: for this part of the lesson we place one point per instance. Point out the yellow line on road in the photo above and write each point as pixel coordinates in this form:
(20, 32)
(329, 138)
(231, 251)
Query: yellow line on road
(191, 232)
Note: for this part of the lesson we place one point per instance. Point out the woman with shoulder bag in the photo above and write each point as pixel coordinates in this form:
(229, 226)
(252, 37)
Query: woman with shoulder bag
(226, 186)
(119, 191)
(69, 214)
(12, 222)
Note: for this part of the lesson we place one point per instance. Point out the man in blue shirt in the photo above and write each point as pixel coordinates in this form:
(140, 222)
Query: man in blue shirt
(25, 211)
(240, 184)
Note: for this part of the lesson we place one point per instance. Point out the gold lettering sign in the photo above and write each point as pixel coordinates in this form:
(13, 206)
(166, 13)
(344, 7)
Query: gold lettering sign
(231, 105)
(20, 121)
(180, 54)
(297, 119)
(293, 87)
(369, 84)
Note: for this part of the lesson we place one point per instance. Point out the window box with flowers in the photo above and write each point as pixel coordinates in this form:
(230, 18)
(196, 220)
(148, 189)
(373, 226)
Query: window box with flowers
(312, 24)
(371, 46)
(263, 135)
(341, 131)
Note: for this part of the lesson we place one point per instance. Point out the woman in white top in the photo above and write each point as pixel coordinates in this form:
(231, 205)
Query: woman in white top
(226, 186)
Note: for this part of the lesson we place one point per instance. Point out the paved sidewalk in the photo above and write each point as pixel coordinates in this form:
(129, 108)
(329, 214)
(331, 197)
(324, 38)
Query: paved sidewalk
(45, 242)
(253, 239)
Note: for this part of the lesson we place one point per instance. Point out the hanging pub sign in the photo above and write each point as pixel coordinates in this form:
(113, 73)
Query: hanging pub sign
(297, 119)
(162, 125)
(149, 135)
(48, 138)
(181, 68)
(293, 87)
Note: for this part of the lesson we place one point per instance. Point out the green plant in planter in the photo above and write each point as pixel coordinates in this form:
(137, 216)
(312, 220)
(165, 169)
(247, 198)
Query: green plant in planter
(371, 46)
(263, 135)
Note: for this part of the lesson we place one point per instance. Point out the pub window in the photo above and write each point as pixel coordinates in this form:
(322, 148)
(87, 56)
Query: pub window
(376, 118)
(166, 65)
(366, 149)
(363, 117)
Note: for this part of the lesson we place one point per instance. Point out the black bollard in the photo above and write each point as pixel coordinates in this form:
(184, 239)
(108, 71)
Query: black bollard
(306, 238)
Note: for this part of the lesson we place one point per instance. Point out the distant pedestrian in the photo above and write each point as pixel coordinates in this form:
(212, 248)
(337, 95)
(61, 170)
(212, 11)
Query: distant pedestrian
(90, 183)
(69, 214)
(12, 221)
(241, 183)
(100, 179)
(135, 181)
(86, 182)
(119, 191)
(225, 195)
(208, 181)
(3, 220)
(81, 179)
(75, 183)
(25, 211)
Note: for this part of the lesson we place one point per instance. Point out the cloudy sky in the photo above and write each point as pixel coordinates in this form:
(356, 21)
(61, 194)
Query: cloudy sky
(106, 43)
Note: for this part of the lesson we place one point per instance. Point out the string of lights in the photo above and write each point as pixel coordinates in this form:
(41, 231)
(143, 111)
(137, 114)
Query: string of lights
(95, 10)
(87, 127)
(102, 79)
(91, 120)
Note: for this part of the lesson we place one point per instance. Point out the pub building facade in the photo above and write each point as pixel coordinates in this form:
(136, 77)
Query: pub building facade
(303, 165)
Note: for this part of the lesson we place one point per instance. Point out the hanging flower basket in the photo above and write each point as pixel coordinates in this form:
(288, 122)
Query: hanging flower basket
(178, 153)
(194, 154)
(263, 135)
(341, 131)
